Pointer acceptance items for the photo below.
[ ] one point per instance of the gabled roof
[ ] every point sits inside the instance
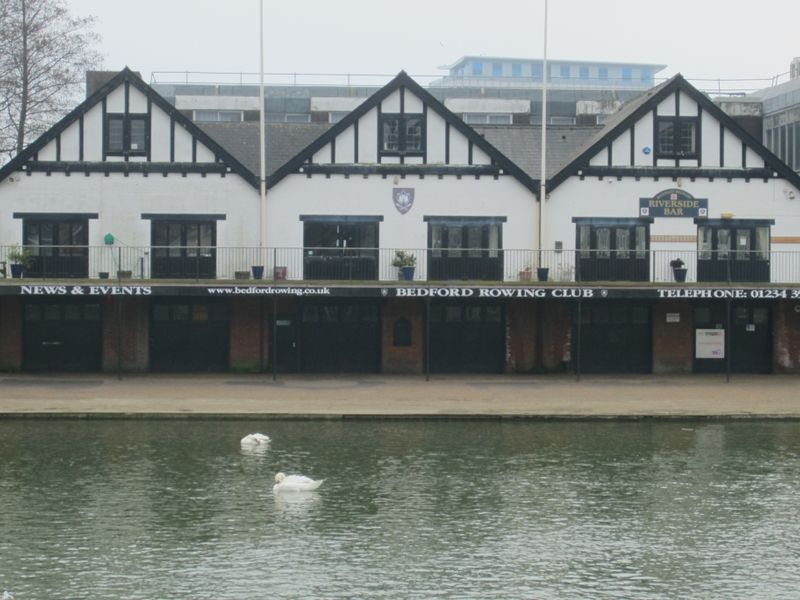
(640, 106)
(126, 75)
(402, 80)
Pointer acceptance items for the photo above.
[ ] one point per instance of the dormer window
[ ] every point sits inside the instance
(126, 135)
(677, 137)
(402, 135)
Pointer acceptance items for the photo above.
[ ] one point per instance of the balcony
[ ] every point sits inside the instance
(365, 265)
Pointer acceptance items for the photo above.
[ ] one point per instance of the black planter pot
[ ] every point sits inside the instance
(542, 273)
(17, 270)
(680, 274)
(258, 272)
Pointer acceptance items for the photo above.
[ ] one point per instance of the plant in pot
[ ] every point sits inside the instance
(405, 263)
(678, 269)
(21, 260)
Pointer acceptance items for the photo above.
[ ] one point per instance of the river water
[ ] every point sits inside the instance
(409, 509)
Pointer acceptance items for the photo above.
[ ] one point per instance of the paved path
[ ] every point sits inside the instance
(775, 396)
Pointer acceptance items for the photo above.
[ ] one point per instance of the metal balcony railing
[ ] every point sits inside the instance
(487, 265)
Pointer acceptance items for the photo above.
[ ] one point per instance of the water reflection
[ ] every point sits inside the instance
(176, 509)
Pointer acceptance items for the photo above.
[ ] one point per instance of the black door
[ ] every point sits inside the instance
(62, 336)
(750, 338)
(614, 337)
(283, 344)
(467, 338)
(189, 336)
(184, 249)
(340, 337)
(59, 247)
(469, 249)
(613, 252)
(733, 251)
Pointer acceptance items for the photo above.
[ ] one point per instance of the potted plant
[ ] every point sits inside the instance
(525, 274)
(405, 263)
(258, 271)
(21, 260)
(678, 269)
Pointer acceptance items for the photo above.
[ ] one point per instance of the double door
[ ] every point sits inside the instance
(750, 342)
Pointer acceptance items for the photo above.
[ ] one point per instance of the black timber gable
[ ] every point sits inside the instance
(636, 109)
(500, 163)
(28, 159)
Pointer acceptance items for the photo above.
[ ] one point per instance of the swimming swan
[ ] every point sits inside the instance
(294, 483)
(255, 439)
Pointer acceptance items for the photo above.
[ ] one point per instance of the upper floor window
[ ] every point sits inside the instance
(646, 76)
(126, 134)
(677, 137)
(516, 70)
(477, 67)
(497, 69)
(583, 72)
(627, 73)
(228, 116)
(536, 72)
(564, 72)
(602, 73)
(402, 134)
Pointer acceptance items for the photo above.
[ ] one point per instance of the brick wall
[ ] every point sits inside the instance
(521, 336)
(556, 335)
(10, 334)
(248, 347)
(672, 342)
(132, 315)
(786, 337)
(403, 359)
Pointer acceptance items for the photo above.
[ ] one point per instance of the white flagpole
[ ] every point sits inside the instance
(262, 134)
(543, 172)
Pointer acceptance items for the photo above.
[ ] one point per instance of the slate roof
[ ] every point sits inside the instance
(523, 144)
(520, 143)
(283, 141)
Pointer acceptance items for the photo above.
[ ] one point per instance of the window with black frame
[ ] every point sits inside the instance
(340, 247)
(733, 249)
(611, 249)
(677, 137)
(126, 135)
(465, 248)
(402, 134)
(183, 249)
(58, 246)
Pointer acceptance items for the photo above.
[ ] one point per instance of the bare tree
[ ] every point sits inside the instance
(44, 54)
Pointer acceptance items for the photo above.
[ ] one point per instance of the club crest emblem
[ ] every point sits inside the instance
(403, 199)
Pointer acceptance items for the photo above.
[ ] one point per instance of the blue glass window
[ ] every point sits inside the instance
(627, 73)
(646, 76)
(583, 72)
(563, 72)
(516, 70)
(536, 72)
(602, 73)
(477, 67)
(497, 69)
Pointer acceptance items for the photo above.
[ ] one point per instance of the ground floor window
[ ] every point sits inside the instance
(465, 248)
(612, 249)
(58, 246)
(184, 249)
(340, 247)
(733, 249)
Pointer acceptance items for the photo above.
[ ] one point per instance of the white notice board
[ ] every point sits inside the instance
(709, 343)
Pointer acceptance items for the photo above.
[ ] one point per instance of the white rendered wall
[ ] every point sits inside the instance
(120, 202)
(298, 195)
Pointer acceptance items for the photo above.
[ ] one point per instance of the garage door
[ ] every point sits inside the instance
(189, 336)
(615, 337)
(63, 336)
(340, 337)
(467, 338)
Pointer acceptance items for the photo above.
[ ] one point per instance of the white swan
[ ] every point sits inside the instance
(294, 483)
(255, 439)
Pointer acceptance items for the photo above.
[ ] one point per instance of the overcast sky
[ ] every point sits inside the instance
(699, 38)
